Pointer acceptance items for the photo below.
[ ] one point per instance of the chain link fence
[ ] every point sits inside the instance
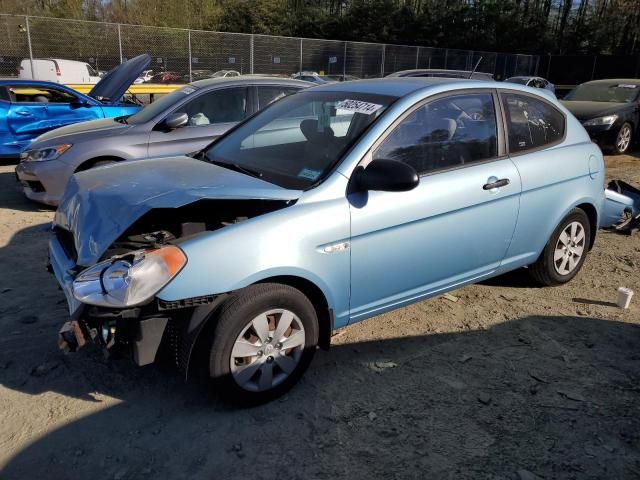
(180, 55)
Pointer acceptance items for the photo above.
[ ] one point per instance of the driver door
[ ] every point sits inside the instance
(65, 108)
(453, 227)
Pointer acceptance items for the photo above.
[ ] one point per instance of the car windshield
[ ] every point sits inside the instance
(618, 92)
(161, 105)
(296, 142)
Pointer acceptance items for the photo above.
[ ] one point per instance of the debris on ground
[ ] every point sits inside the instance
(380, 365)
(465, 358)
(372, 416)
(451, 298)
(484, 399)
(576, 397)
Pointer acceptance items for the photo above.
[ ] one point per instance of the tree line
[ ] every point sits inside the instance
(523, 26)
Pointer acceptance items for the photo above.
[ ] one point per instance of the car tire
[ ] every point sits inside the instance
(565, 252)
(248, 363)
(623, 139)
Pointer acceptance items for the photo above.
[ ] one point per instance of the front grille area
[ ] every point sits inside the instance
(36, 186)
(65, 237)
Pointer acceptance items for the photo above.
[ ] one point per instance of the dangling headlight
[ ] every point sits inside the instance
(128, 280)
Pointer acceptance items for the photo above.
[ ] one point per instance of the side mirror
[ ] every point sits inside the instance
(386, 176)
(176, 120)
(77, 103)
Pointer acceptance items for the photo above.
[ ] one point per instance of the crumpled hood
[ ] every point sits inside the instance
(587, 110)
(100, 204)
(103, 127)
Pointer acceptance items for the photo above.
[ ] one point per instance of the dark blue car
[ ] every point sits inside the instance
(29, 108)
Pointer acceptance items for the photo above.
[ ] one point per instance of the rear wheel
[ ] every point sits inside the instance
(264, 339)
(565, 252)
(623, 139)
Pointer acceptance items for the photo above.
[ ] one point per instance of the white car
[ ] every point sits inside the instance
(144, 77)
(58, 70)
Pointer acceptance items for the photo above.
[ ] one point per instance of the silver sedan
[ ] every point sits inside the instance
(184, 121)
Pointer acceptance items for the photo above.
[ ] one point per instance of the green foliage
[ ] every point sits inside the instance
(531, 26)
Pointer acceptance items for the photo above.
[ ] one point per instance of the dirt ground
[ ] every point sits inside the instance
(510, 381)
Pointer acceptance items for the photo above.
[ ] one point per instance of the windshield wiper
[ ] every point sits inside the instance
(230, 166)
(122, 119)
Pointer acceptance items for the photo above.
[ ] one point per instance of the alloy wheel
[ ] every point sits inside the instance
(569, 248)
(267, 350)
(623, 140)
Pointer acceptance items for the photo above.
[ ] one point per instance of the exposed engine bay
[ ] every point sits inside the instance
(163, 226)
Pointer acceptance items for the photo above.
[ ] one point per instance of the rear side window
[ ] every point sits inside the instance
(532, 123)
(269, 94)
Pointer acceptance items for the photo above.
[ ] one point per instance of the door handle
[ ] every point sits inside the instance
(503, 182)
(24, 113)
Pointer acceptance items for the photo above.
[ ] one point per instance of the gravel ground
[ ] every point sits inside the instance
(508, 381)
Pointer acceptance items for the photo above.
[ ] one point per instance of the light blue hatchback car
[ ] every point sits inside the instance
(330, 206)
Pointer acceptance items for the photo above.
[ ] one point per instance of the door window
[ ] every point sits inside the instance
(532, 123)
(445, 133)
(26, 94)
(218, 106)
(268, 95)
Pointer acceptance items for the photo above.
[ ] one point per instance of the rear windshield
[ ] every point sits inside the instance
(618, 92)
(161, 105)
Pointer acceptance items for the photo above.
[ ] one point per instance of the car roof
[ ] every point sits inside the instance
(440, 71)
(249, 80)
(399, 86)
(27, 82)
(631, 81)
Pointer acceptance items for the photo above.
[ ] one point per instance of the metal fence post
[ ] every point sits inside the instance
(417, 56)
(593, 70)
(446, 54)
(548, 66)
(384, 48)
(33, 73)
(190, 75)
(300, 69)
(120, 42)
(251, 55)
(344, 62)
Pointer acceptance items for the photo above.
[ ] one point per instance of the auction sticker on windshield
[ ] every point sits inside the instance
(309, 174)
(358, 106)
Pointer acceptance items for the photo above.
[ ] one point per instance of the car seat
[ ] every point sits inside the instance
(321, 144)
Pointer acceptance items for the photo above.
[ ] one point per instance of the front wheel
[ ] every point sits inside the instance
(623, 139)
(264, 339)
(565, 252)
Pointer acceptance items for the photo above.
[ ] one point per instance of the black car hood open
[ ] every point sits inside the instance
(586, 110)
(115, 82)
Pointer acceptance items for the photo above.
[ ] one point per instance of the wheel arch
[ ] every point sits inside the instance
(199, 324)
(592, 214)
(87, 164)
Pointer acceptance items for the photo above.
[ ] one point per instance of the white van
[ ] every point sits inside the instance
(58, 70)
